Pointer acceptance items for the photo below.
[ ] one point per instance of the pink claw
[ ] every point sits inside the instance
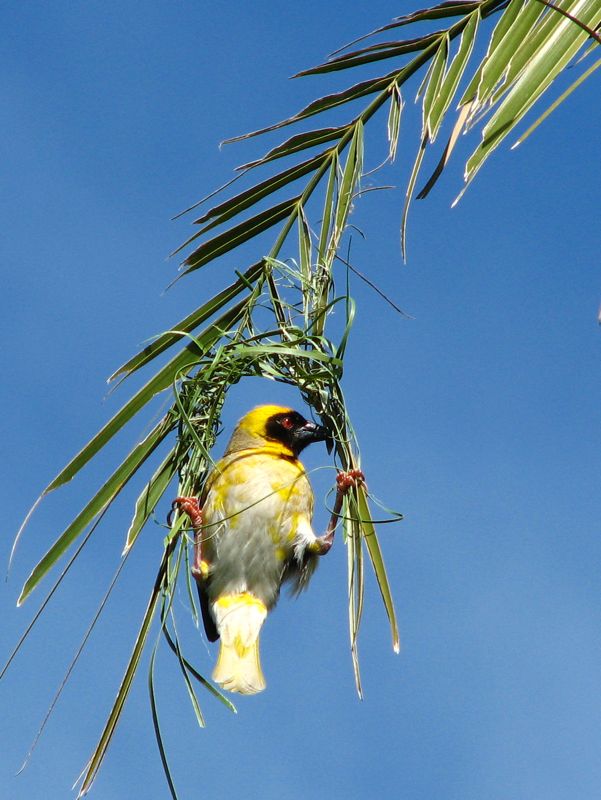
(350, 480)
(189, 506)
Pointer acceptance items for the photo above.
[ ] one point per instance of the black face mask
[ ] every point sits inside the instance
(293, 430)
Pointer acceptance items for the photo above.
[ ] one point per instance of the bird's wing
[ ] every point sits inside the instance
(207, 618)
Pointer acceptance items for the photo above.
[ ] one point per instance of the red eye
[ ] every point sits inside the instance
(287, 423)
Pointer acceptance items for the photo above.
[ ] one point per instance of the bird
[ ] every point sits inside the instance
(253, 532)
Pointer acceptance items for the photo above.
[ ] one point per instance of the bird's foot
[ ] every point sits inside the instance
(191, 507)
(200, 568)
(349, 480)
(345, 481)
(323, 544)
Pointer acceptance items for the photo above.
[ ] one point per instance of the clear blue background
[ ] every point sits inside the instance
(478, 419)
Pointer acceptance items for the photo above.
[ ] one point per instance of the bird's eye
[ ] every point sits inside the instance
(287, 423)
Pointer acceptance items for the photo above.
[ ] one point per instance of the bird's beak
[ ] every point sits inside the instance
(311, 432)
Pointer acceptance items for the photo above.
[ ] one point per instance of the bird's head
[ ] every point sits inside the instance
(277, 425)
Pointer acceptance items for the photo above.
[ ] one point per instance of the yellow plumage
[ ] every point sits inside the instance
(256, 534)
(239, 618)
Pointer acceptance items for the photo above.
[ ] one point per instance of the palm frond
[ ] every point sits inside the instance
(272, 320)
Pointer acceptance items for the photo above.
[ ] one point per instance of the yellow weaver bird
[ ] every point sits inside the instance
(253, 532)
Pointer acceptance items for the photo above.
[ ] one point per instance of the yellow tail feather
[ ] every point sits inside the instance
(239, 619)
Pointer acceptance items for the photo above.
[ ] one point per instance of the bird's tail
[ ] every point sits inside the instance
(239, 618)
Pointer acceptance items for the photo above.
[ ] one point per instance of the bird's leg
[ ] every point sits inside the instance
(190, 506)
(344, 482)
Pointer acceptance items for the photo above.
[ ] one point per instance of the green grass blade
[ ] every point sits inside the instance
(434, 83)
(351, 307)
(48, 597)
(162, 380)
(441, 11)
(360, 580)
(447, 9)
(368, 55)
(449, 84)
(130, 671)
(74, 661)
(190, 591)
(426, 79)
(304, 245)
(191, 322)
(173, 641)
(236, 236)
(446, 154)
(297, 143)
(559, 101)
(346, 192)
(393, 126)
(350, 178)
(591, 33)
(188, 683)
(529, 43)
(325, 103)
(563, 40)
(375, 555)
(328, 213)
(408, 194)
(355, 586)
(513, 27)
(305, 252)
(157, 727)
(150, 496)
(283, 350)
(97, 504)
(510, 39)
(200, 678)
(235, 205)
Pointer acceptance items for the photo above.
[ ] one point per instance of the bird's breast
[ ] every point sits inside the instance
(259, 494)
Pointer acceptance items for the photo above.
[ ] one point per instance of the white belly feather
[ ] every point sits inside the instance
(257, 525)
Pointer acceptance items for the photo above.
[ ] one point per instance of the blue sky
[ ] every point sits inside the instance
(478, 419)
